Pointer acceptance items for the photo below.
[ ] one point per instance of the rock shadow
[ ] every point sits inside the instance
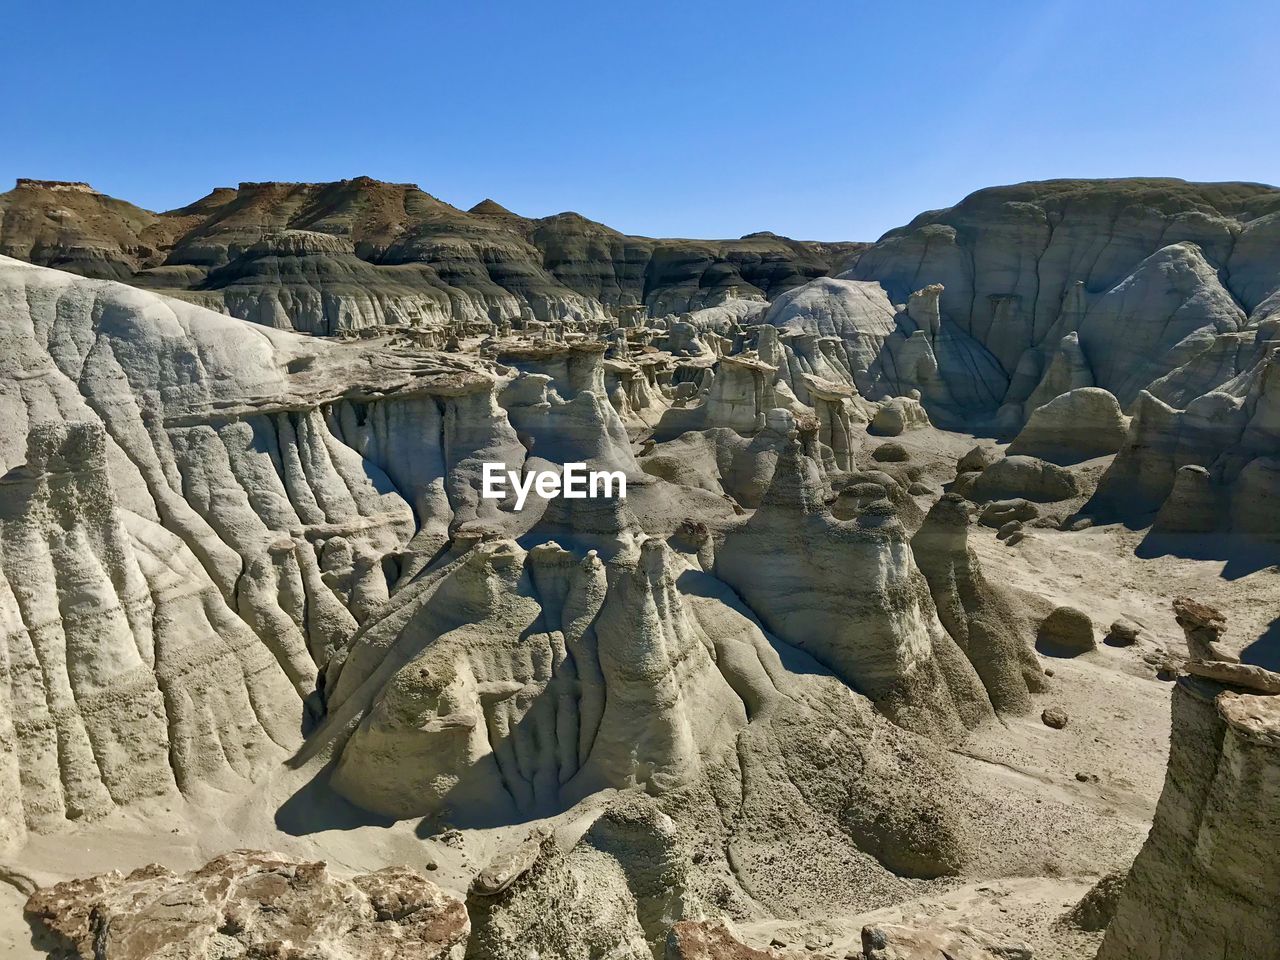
(1265, 651)
(318, 807)
(1242, 554)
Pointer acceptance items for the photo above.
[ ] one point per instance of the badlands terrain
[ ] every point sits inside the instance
(939, 620)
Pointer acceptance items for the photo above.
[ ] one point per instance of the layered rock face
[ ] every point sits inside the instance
(880, 633)
(233, 553)
(327, 258)
(186, 541)
(217, 533)
(1142, 270)
(1210, 466)
(994, 307)
(1207, 879)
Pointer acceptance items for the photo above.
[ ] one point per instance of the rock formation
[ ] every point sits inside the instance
(1210, 466)
(252, 904)
(1145, 272)
(782, 680)
(1073, 426)
(335, 257)
(1206, 879)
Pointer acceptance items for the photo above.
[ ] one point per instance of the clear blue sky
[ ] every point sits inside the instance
(827, 120)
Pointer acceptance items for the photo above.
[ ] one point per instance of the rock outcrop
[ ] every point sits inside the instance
(878, 630)
(252, 904)
(1209, 467)
(1145, 273)
(937, 941)
(1078, 425)
(1207, 879)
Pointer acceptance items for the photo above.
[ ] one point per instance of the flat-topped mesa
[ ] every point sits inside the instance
(362, 181)
(58, 186)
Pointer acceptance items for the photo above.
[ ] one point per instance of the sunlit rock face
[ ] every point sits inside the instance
(336, 258)
(247, 552)
(1206, 878)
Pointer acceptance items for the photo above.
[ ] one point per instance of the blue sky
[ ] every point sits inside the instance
(822, 120)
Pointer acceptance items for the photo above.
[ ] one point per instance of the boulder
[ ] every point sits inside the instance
(1054, 717)
(997, 513)
(897, 415)
(1025, 477)
(1008, 529)
(1125, 632)
(1078, 425)
(1066, 631)
(890, 452)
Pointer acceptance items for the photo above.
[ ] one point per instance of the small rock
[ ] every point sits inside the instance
(919, 489)
(506, 868)
(1054, 717)
(1124, 632)
(998, 513)
(1013, 526)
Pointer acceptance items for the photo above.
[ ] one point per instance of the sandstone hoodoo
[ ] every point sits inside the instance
(536, 590)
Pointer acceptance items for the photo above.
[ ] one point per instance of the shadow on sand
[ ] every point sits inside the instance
(1242, 555)
(1265, 651)
(317, 807)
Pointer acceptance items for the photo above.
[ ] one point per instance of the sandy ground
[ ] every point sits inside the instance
(1087, 791)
